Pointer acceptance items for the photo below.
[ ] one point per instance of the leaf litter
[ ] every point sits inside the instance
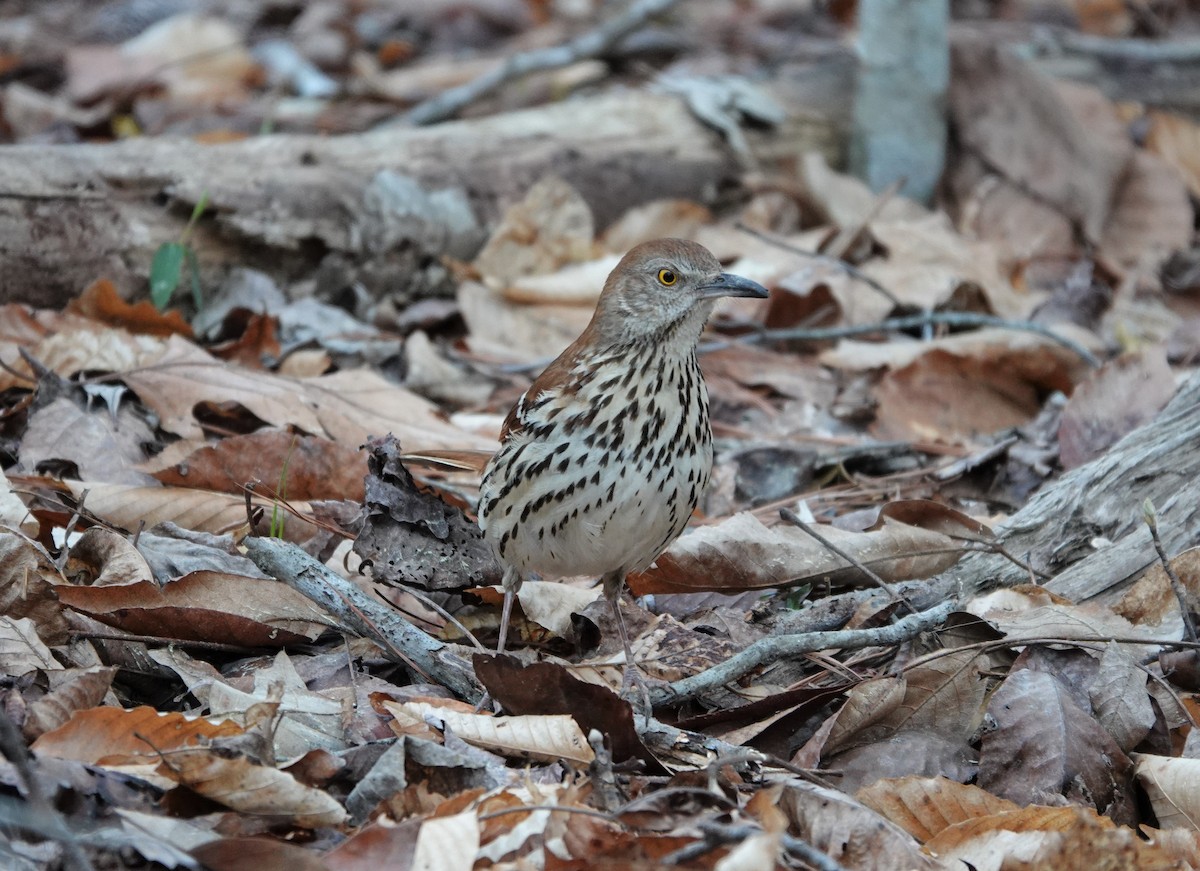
(200, 713)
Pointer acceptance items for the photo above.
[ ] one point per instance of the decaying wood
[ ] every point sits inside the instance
(1087, 529)
(283, 204)
(358, 613)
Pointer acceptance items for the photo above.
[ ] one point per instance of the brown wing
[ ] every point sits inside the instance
(555, 377)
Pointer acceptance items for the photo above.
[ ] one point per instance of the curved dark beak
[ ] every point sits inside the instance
(731, 285)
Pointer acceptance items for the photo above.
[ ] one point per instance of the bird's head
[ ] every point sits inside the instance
(662, 283)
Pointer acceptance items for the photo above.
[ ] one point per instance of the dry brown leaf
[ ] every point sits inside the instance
(551, 604)
(1034, 357)
(1151, 602)
(1119, 698)
(355, 404)
(196, 58)
(1062, 140)
(1113, 400)
(1151, 217)
(1177, 141)
(574, 284)
(943, 397)
(114, 736)
(71, 690)
(102, 557)
(303, 467)
(21, 650)
(249, 788)
(740, 553)
(128, 507)
(1020, 616)
(543, 737)
(679, 219)
(84, 345)
(847, 200)
(28, 579)
(518, 332)
(13, 512)
(1044, 745)
(184, 375)
(925, 806)
(101, 446)
(101, 303)
(927, 265)
(304, 720)
(1035, 834)
(849, 832)
(204, 606)
(551, 227)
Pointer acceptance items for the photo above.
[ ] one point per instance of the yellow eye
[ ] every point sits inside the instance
(667, 277)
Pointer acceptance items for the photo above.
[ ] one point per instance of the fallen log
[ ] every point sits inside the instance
(399, 196)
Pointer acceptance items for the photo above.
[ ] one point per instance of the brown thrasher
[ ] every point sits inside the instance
(604, 458)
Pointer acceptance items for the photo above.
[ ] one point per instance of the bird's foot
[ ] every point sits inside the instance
(636, 691)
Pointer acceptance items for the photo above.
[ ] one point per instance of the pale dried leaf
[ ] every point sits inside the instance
(551, 227)
(127, 506)
(102, 558)
(355, 404)
(576, 284)
(102, 446)
(518, 332)
(551, 604)
(13, 513)
(243, 786)
(1173, 786)
(740, 553)
(21, 650)
(547, 738)
(448, 843)
(1112, 401)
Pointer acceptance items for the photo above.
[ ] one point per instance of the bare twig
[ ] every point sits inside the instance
(793, 518)
(781, 647)
(1151, 517)
(1151, 51)
(357, 612)
(844, 265)
(587, 45)
(908, 322)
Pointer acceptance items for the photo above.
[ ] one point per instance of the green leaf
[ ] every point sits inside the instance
(165, 270)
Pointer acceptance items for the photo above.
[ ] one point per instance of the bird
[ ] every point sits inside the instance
(604, 458)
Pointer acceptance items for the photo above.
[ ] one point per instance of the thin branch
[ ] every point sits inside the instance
(1149, 51)
(908, 322)
(793, 518)
(1150, 515)
(844, 265)
(781, 647)
(587, 45)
